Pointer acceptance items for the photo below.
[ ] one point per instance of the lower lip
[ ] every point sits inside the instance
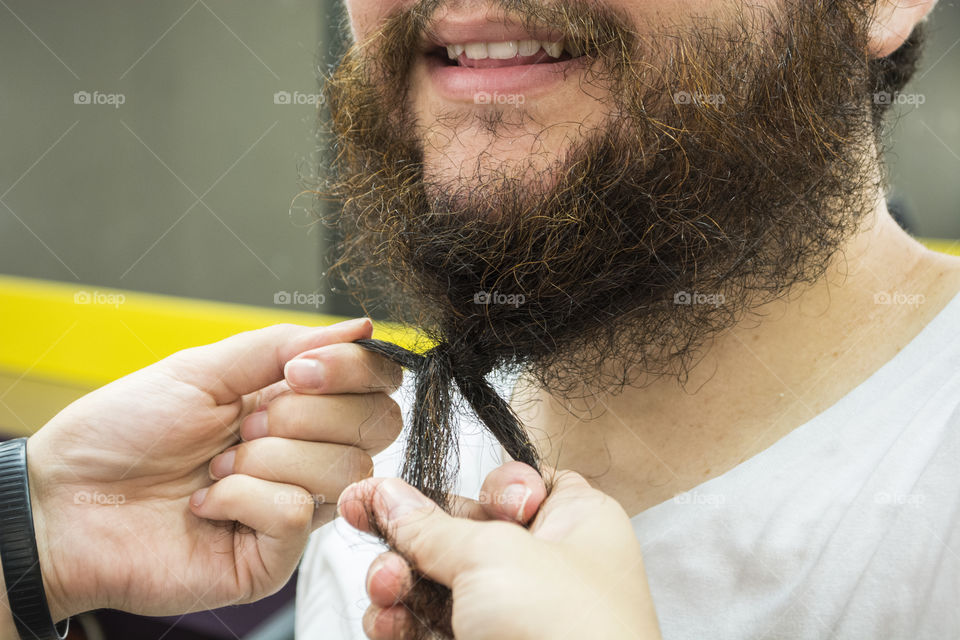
(498, 84)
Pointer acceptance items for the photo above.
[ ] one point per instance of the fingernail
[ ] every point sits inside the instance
(304, 372)
(355, 323)
(347, 494)
(375, 568)
(222, 465)
(198, 496)
(255, 426)
(399, 498)
(517, 494)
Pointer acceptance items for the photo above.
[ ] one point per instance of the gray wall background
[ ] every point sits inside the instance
(925, 158)
(187, 188)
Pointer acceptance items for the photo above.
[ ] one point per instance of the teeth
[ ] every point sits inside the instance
(502, 50)
(506, 50)
(553, 49)
(528, 47)
(476, 50)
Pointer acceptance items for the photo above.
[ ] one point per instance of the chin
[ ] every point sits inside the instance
(478, 155)
(469, 167)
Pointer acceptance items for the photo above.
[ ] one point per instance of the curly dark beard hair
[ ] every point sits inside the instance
(736, 161)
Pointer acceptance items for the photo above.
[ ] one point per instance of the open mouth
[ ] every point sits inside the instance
(511, 53)
(499, 64)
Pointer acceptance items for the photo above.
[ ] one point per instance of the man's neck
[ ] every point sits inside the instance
(775, 370)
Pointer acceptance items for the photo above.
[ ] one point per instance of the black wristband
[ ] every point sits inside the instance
(18, 549)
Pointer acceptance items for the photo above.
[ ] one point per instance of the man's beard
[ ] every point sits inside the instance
(735, 161)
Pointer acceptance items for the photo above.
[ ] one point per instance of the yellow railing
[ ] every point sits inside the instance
(85, 336)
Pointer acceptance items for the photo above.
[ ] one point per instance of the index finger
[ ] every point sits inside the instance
(342, 368)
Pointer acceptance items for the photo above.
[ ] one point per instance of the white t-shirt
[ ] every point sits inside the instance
(847, 527)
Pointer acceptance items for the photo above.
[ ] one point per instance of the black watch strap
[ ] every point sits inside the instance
(18, 549)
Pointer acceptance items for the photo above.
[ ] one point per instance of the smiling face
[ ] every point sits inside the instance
(508, 88)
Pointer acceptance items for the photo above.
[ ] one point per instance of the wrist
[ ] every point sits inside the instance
(48, 542)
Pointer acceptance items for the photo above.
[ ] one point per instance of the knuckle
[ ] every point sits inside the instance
(385, 414)
(241, 460)
(280, 407)
(391, 374)
(254, 458)
(230, 490)
(298, 513)
(357, 464)
(285, 412)
(381, 374)
(394, 416)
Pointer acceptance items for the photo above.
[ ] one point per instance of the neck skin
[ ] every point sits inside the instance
(756, 382)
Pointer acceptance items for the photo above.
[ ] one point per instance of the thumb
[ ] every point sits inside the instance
(249, 361)
(429, 538)
(577, 513)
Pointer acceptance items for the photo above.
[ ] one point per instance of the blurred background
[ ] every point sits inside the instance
(157, 147)
(183, 180)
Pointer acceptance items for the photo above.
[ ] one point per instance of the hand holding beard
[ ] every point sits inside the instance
(577, 572)
(126, 513)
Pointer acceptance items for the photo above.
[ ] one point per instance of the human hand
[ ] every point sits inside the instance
(120, 480)
(576, 573)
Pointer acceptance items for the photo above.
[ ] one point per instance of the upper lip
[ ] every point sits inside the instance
(463, 29)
